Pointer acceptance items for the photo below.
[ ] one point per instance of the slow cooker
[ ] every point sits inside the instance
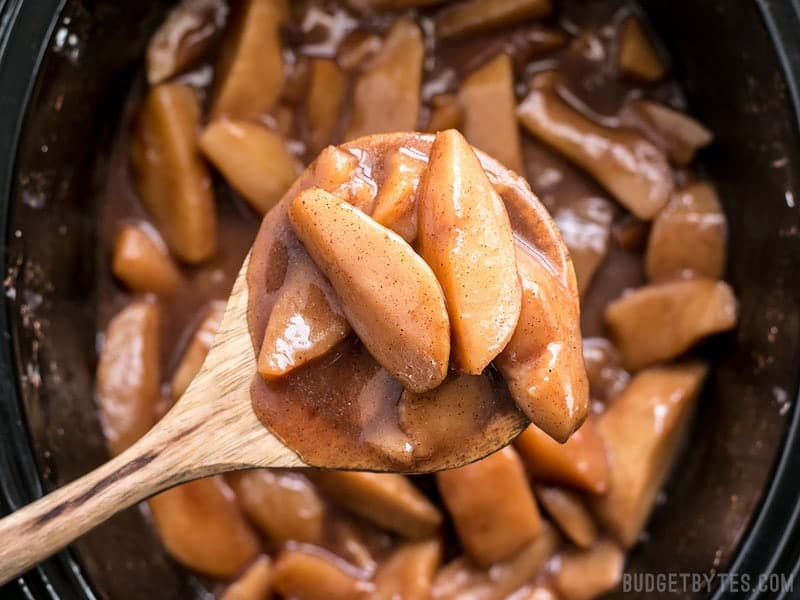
(66, 67)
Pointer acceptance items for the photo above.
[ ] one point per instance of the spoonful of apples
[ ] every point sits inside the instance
(408, 306)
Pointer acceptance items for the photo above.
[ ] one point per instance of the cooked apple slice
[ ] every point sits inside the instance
(388, 500)
(253, 159)
(569, 512)
(660, 321)
(689, 236)
(446, 113)
(355, 543)
(493, 521)
(579, 462)
(637, 55)
(585, 225)
(128, 374)
(465, 236)
(607, 378)
(172, 179)
(203, 529)
(282, 504)
(587, 574)
(620, 159)
(186, 34)
(446, 416)
(386, 95)
(310, 573)
(390, 296)
(305, 323)
(494, 131)
(643, 430)
(396, 202)
(333, 168)
(543, 362)
(324, 102)
(408, 572)
(197, 350)
(462, 579)
(141, 261)
(679, 133)
(338, 171)
(254, 584)
(474, 16)
(249, 72)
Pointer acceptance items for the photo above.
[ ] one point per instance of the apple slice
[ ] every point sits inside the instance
(569, 512)
(462, 578)
(255, 582)
(661, 321)
(476, 16)
(585, 574)
(196, 351)
(689, 236)
(386, 95)
(494, 131)
(202, 527)
(141, 261)
(283, 505)
(326, 94)
(249, 73)
(396, 202)
(465, 236)
(389, 295)
(311, 573)
(581, 462)
(305, 323)
(387, 500)
(184, 37)
(543, 363)
(408, 573)
(678, 133)
(621, 159)
(493, 521)
(447, 416)
(638, 57)
(339, 172)
(253, 159)
(171, 178)
(644, 430)
(128, 374)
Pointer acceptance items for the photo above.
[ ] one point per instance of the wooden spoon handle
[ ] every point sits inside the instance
(210, 430)
(36, 531)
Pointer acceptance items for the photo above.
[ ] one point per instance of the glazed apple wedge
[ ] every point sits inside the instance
(305, 323)
(465, 236)
(389, 295)
(543, 362)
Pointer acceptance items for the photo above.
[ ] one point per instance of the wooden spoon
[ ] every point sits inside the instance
(211, 429)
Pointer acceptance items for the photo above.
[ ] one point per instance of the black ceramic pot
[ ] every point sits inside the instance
(65, 69)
